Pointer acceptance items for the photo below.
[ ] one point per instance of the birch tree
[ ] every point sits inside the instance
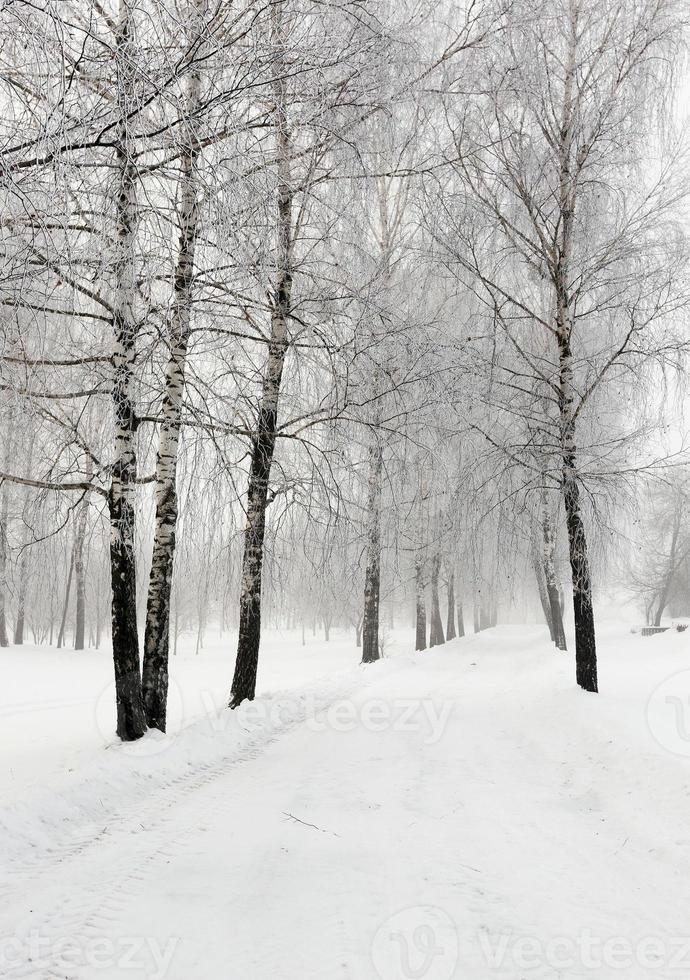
(575, 260)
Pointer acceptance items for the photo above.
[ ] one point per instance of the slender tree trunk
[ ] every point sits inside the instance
(79, 574)
(450, 620)
(246, 664)
(420, 603)
(24, 567)
(461, 621)
(668, 579)
(585, 639)
(131, 720)
(541, 590)
(157, 630)
(98, 623)
(65, 607)
(550, 580)
(372, 576)
(4, 548)
(372, 579)
(264, 440)
(19, 624)
(485, 611)
(4, 541)
(436, 636)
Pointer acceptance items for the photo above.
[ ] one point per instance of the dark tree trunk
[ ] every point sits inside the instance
(372, 576)
(585, 639)
(80, 576)
(551, 582)
(264, 440)
(461, 621)
(65, 607)
(420, 604)
(249, 638)
(436, 636)
(19, 625)
(98, 623)
(450, 622)
(4, 640)
(673, 568)
(4, 543)
(157, 632)
(157, 629)
(131, 721)
(21, 599)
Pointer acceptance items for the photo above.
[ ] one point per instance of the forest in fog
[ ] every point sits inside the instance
(339, 315)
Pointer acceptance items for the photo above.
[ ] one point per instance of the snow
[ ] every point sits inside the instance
(460, 813)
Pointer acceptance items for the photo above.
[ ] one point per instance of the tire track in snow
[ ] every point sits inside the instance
(106, 866)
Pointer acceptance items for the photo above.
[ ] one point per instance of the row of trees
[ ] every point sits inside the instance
(372, 288)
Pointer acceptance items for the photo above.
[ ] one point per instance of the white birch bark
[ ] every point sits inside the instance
(131, 722)
(157, 635)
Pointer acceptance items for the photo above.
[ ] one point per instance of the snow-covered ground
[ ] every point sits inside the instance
(462, 813)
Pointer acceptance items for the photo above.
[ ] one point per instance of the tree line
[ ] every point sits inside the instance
(341, 305)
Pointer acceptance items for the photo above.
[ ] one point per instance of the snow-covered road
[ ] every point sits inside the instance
(461, 813)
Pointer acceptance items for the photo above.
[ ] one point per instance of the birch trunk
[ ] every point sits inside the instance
(436, 636)
(550, 579)
(541, 589)
(80, 574)
(4, 540)
(4, 506)
(450, 619)
(20, 622)
(157, 631)
(263, 443)
(65, 605)
(585, 640)
(131, 721)
(461, 620)
(662, 601)
(420, 603)
(372, 576)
